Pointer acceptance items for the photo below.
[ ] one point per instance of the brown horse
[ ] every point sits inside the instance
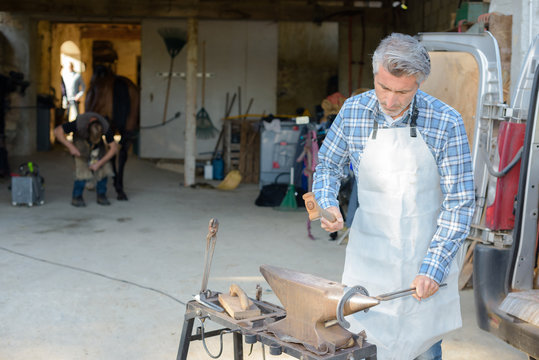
(117, 99)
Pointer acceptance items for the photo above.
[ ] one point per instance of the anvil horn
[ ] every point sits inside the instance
(310, 302)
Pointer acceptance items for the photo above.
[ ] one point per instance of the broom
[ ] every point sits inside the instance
(175, 40)
(289, 201)
(205, 128)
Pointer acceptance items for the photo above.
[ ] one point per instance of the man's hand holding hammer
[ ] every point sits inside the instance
(337, 223)
(330, 219)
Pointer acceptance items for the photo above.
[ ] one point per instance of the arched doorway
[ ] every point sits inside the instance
(74, 87)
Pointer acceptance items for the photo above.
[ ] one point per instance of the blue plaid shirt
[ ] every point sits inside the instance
(443, 131)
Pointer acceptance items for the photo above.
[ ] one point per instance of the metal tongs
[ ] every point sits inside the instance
(361, 290)
(398, 294)
(204, 294)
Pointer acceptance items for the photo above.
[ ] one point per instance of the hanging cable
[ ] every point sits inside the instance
(226, 331)
(509, 166)
(93, 273)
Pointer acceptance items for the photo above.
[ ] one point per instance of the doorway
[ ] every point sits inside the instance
(73, 86)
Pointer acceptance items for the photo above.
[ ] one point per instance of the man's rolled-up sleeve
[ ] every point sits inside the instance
(332, 164)
(457, 185)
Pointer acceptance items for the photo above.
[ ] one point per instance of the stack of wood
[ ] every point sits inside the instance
(250, 152)
(242, 148)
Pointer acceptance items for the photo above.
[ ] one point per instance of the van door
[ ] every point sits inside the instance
(466, 74)
(504, 141)
(524, 110)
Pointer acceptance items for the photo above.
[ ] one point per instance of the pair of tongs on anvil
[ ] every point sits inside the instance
(376, 300)
(205, 294)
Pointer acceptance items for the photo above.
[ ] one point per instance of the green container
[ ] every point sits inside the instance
(470, 10)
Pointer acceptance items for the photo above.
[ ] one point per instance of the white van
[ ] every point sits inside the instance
(504, 140)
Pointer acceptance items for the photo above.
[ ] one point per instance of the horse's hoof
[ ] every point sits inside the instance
(122, 196)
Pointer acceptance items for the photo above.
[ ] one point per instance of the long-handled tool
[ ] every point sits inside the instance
(228, 109)
(205, 128)
(211, 238)
(361, 290)
(174, 39)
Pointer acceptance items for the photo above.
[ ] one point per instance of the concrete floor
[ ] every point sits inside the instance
(112, 282)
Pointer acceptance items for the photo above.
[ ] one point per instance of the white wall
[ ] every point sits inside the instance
(238, 53)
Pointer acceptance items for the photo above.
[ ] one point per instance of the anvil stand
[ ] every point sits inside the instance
(254, 329)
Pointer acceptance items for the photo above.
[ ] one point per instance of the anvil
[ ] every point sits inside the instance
(310, 303)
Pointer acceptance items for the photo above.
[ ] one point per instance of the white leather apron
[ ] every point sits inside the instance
(399, 202)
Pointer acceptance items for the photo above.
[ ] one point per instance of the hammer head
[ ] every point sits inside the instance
(312, 206)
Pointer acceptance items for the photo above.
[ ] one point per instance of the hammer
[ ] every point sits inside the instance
(314, 210)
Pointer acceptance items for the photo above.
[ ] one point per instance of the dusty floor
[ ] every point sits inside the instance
(112, 282)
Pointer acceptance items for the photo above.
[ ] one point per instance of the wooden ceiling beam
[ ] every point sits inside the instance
(106, 32)
(134, 10)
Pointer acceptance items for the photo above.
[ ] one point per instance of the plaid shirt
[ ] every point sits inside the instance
(443, 131)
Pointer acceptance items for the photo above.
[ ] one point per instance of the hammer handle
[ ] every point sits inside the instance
(327, 215)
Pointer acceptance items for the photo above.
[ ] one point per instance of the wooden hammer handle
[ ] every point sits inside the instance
(314, 210)
(235, 290)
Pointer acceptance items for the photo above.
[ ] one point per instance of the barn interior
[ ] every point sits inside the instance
(281, 57)
(246, 63)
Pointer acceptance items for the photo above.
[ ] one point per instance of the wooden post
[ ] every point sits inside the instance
(191, 100)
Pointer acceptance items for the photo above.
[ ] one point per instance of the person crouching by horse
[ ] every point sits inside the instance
(91, 153)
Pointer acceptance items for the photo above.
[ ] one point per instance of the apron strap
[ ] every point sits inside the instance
(413, 121)
(374, 129)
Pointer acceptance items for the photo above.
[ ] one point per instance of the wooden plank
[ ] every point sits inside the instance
(453, 70)
(501, 28)
(523, 305)
(244, 130)
(227, 145)
(466, 271)
(233, 307)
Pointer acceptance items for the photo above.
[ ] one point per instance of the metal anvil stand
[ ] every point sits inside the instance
(253, 329)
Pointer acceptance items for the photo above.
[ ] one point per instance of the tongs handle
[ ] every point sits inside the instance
(398, 294)
(208, 254)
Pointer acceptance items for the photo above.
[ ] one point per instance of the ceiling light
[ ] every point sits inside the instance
(402, 4)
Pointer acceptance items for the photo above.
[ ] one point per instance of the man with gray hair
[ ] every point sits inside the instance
(413, 168)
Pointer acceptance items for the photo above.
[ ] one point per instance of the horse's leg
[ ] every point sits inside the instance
(119, 179)
(125, 144)
(113, 161)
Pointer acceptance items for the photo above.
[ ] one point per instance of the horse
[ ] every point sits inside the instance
(117, 99)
